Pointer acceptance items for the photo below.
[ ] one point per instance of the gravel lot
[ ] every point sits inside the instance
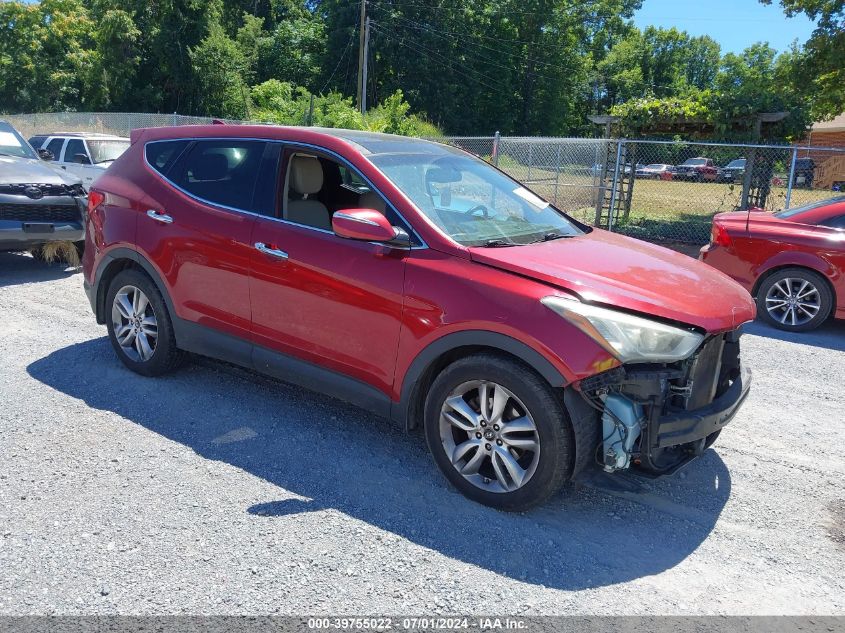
(216, 491)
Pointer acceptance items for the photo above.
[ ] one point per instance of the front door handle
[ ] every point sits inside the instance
(269, 250)
(159, 216)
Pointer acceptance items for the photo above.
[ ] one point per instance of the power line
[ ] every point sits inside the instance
(446, 36)
(340, 59)
(418, 48)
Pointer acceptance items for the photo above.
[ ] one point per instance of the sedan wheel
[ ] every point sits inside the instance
(490, 436)
(794, 299)
(135, 324)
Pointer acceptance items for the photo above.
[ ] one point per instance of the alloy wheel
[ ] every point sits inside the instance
(135, 324)
(793, 301)
(489, 436)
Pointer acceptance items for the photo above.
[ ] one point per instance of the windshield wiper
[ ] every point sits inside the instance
(548, 237)
(499, 244)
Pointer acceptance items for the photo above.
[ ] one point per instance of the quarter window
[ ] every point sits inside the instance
(162, 154)
(222, 172)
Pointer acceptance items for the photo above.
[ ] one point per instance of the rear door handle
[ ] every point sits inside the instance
(159, 216)
(269, 250)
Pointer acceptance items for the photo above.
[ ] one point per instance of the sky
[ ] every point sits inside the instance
(735, 24)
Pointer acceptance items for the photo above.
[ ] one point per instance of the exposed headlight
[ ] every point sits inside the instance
(629, 338)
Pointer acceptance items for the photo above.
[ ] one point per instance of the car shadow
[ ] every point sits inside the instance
(323, 454)
(830, 335)
(21, 268)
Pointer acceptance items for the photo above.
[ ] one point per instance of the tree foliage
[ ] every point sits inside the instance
(469, 67)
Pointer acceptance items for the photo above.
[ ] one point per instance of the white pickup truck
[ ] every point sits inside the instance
(83, 155)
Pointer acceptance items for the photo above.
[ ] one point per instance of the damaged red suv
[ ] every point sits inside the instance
(421, 283)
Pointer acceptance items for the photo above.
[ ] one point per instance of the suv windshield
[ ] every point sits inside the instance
(472, 202)
(695, 161)
(13, 144)
(104, 151)
(736, 164)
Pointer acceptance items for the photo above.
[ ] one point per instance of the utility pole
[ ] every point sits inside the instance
(362, 39)
(364, 69)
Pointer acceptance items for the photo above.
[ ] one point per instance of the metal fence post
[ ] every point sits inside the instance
(791, 177)
(174, 120)
(530, 160)
(557, 174)
(495, 157)
(615, 186)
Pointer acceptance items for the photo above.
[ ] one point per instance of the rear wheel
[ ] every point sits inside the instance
(498, 432)
(139, 325)
(794, 299)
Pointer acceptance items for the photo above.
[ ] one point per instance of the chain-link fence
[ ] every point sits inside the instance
(662, 191)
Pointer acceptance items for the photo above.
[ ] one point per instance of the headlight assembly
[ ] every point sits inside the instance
(629, 338)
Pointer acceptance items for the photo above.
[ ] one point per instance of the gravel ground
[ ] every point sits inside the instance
(216, 491)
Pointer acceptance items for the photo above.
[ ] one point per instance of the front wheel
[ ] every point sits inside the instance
(794, 299)
(498, 432)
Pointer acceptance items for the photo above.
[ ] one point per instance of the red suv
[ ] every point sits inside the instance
(419, 282)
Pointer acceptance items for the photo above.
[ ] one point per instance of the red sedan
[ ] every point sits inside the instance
(792, 261)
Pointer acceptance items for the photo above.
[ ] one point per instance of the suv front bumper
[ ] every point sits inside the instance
(683, 427)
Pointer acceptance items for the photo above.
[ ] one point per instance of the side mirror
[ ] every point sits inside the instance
(81, 159)
(45, 154)
(364, 224)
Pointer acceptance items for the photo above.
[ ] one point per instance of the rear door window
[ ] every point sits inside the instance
(221, 172)
(74, 146)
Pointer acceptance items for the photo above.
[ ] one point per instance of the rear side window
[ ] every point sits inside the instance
(55, 146)
(221, 172)
(162, 154)
(837, 222)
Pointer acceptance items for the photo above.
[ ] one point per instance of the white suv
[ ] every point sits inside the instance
(84, 155)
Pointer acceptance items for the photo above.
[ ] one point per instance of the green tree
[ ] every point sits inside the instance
(218, 67)
(818, 71)
(46, 56)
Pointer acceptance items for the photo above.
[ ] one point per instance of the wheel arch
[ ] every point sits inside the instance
(115, 261)
(447, 349)
(818, 270)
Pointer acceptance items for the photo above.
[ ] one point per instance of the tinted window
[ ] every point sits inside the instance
(837, 222)
(788, 213)
(74, 146)
(37, 141)
(222, 171)
(55, 146)
(162, 154)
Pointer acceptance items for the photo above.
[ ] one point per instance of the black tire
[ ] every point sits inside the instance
(80, 248)
(553, 427)
(166, 356)
(711, 439)
(37, 253)
(825, 300)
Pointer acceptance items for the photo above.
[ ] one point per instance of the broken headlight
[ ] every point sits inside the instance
(629, 338)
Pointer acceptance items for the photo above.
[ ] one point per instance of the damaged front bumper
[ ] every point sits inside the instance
(655, 418)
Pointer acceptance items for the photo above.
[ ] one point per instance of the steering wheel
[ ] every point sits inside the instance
(485, 213)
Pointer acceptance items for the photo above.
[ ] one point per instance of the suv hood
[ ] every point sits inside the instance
(15, 171)
(622, 272)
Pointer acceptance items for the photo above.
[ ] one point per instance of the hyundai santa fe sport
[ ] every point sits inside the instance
(421, 283)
